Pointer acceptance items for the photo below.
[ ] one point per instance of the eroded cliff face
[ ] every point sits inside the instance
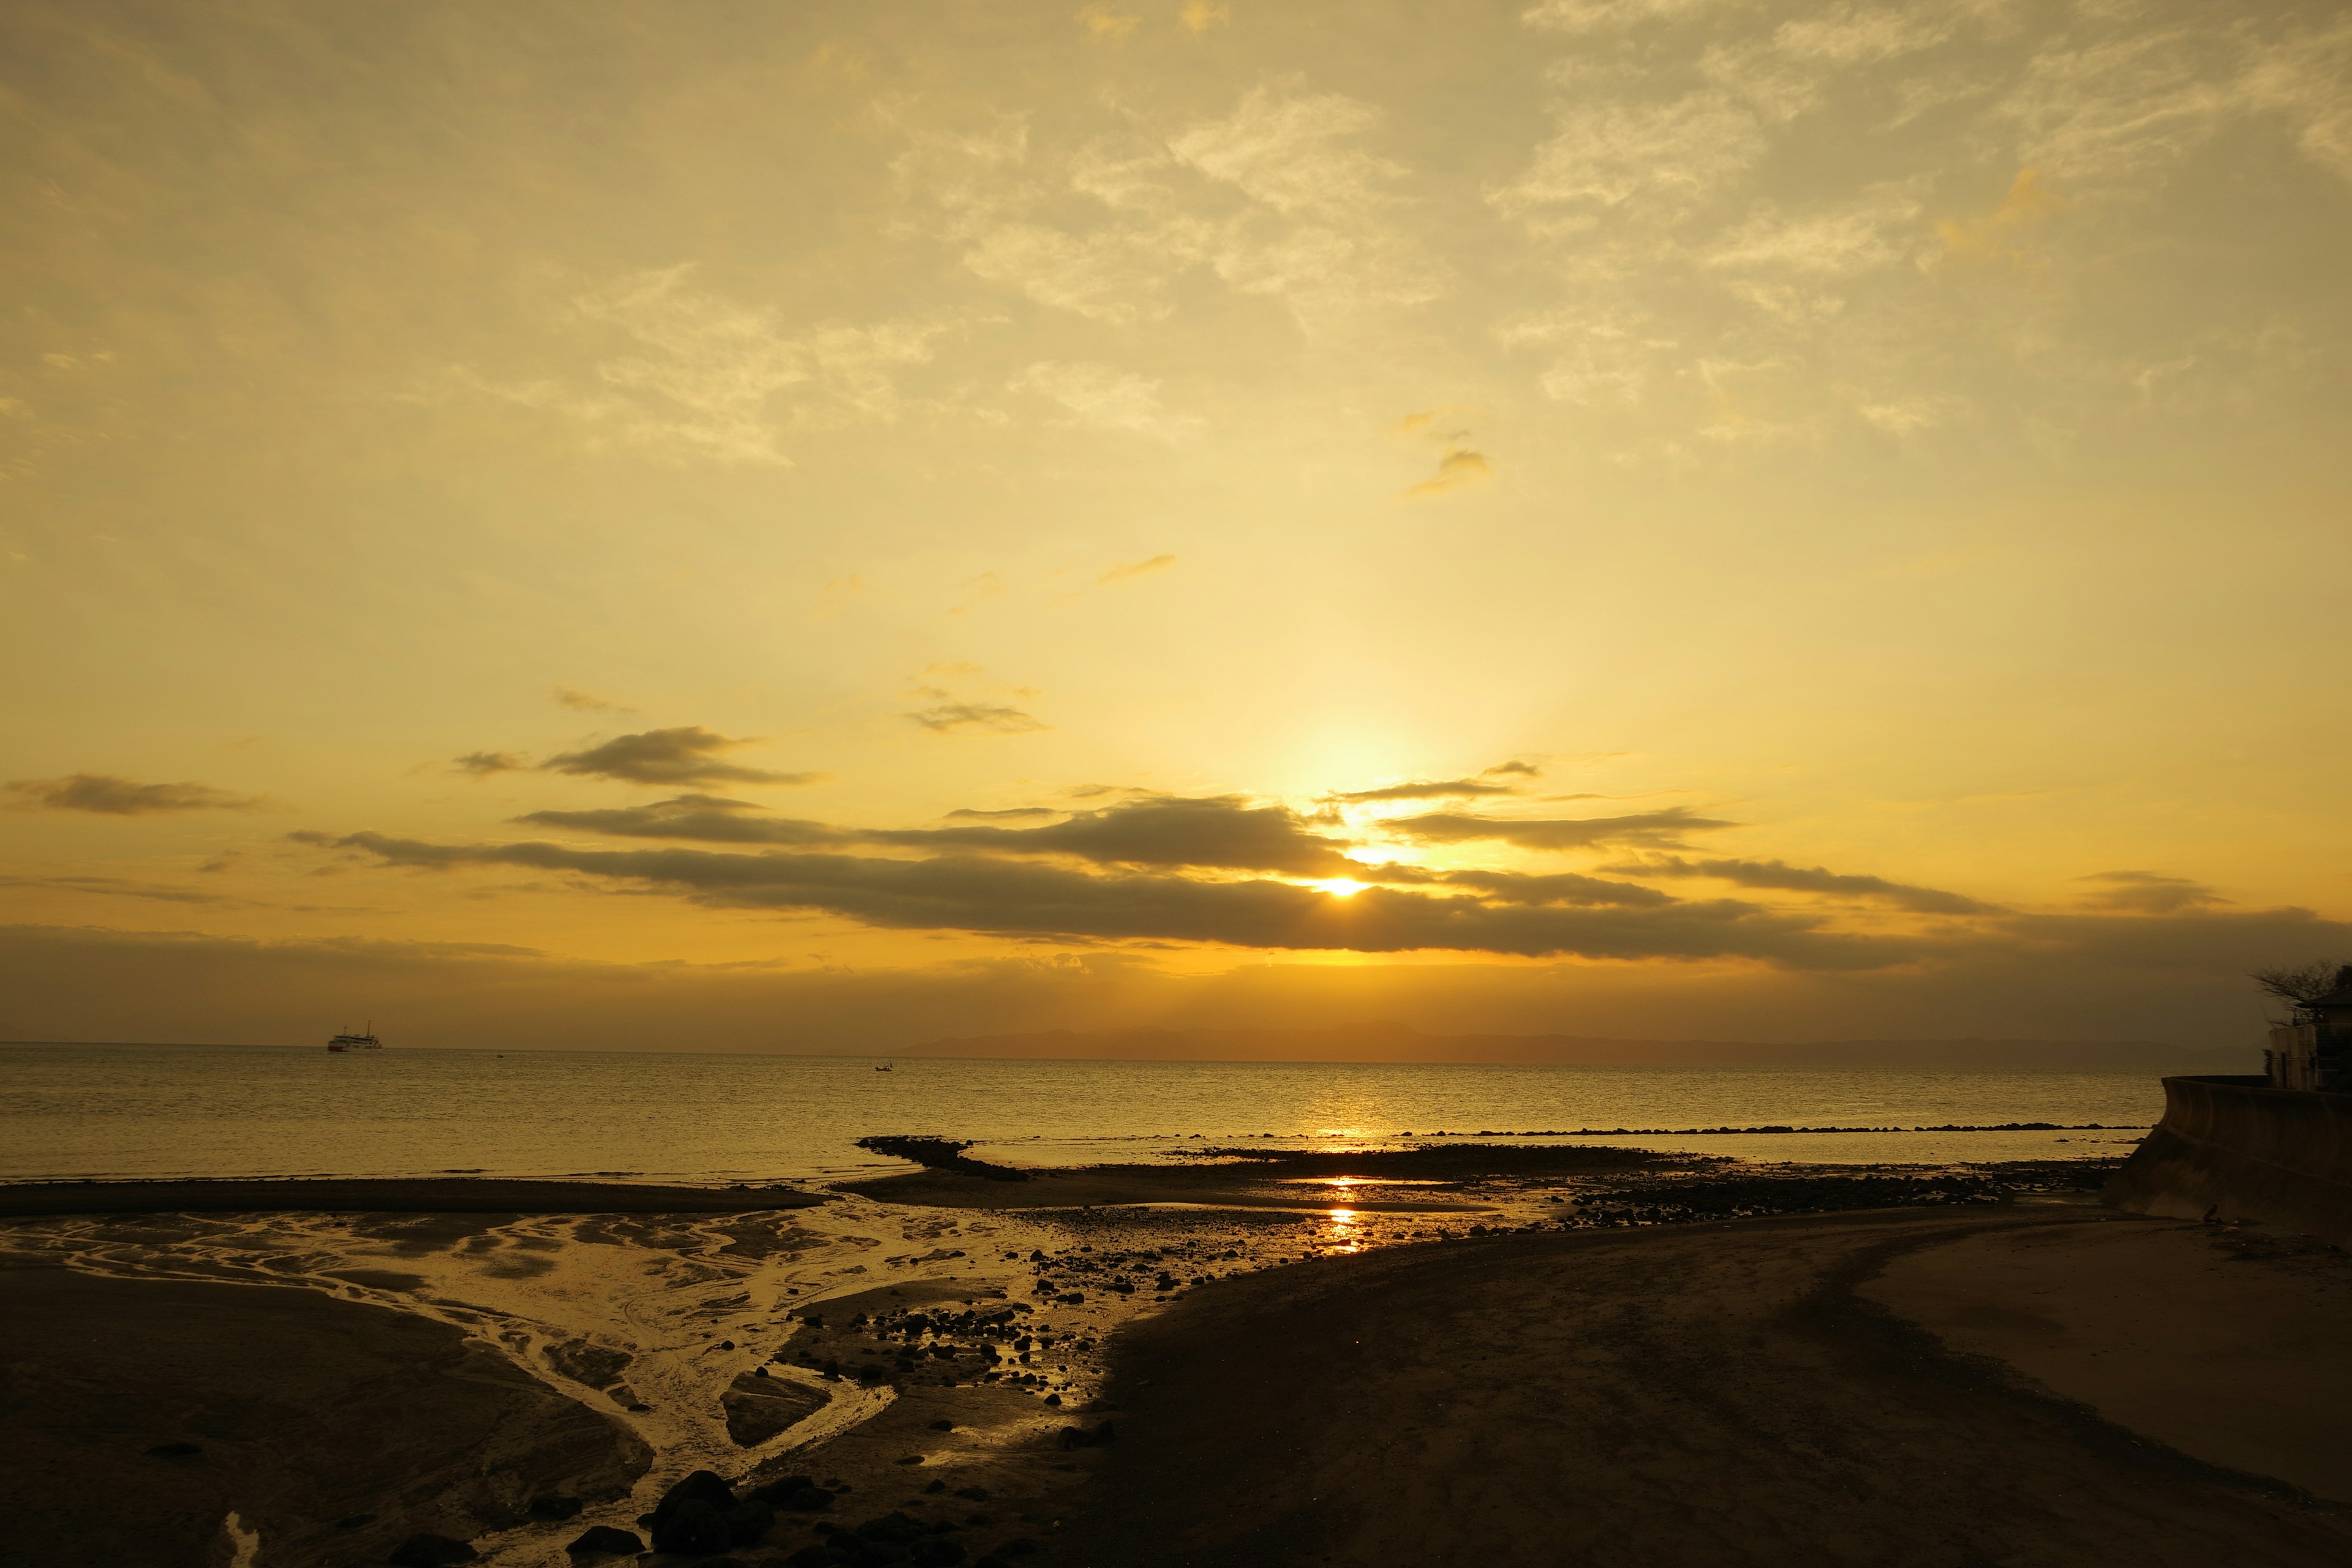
(2235, 1149)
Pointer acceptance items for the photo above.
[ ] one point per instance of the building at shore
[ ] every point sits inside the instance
(2313, 1050)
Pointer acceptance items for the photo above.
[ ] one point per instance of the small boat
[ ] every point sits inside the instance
(364, 1041)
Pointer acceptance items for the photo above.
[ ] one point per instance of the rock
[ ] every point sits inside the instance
(896, 1528)
(702, 1486)
(174, 1451)
(354, 1521)
(807, 1499)
(604, 1541)
(598, 1366)
(1053, 1399)
(425, 1550)
(555, 1509)
(1079, 1438)
(748, 1522)
(937, 1552)
(942, 1425)
(935, 1489)
(810, 1557)
(695, 1528)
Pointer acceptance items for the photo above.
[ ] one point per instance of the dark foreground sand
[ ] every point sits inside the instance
(2025, 1384)
(337, 1430)
(1680, 1397)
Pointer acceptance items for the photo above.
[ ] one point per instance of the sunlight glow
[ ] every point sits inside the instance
(1341, 887)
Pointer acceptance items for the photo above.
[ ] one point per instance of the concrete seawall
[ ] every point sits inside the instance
(2238, 1149)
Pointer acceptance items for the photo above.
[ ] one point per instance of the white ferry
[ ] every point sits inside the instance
(359, 1042)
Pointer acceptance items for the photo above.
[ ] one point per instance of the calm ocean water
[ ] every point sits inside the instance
(226, 1111)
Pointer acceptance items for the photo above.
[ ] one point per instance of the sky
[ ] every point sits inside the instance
(826, 526)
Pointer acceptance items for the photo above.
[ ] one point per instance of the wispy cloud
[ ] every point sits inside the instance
(589, 701)
(109, 795)
(1666, 827)
(1137, 569)
(1430, 789)
(488, 765)
(977, 718)
(1459, 466)
(718, 377)
(1106, 24)
(1277, 197)
(1101, 397)
(1779, 874)
(2150, 893)
(686, 754)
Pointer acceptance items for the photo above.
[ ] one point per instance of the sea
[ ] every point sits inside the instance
(106, 1111)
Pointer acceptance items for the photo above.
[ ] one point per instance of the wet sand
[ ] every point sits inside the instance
(1711, 1393)
(1490, 1356)
(332, 1431)
(441, 1194)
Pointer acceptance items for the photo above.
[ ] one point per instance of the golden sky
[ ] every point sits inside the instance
(848, 522)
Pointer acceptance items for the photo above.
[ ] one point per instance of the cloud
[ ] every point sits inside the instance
(111, 797)
(1459, 466)
(1657, 827)
(1213, 832)
(588, 701)
(985, 717)
(1008, 812)
(1515, 766)
(1557, 888)
(483, 764)
(1849, 238)
(716, 377)
(1814, 880)
(2000, 235)
(1222, 832)
(1274, 198)
(707, 819)
(2150, 893)
(1604, 154)
(1141, 568)
(1099, 397)
(118, 888)
(992, 896)
(1603, 16)
(1432, 789)
(1106, 24)
(1285, 147)
(1199, 16)
(677, 757)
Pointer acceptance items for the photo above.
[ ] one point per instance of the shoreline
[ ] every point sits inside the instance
(430, 1195)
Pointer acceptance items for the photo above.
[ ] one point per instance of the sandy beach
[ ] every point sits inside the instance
(1508, 1355)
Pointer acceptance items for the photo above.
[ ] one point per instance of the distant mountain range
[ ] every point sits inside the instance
(1402, 1043)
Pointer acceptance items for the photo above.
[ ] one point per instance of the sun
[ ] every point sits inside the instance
(1341, 887)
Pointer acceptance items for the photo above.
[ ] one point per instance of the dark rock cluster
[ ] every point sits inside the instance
(1741, 1197)
(997, 1345)
(941, 1154)
(707, 1519)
